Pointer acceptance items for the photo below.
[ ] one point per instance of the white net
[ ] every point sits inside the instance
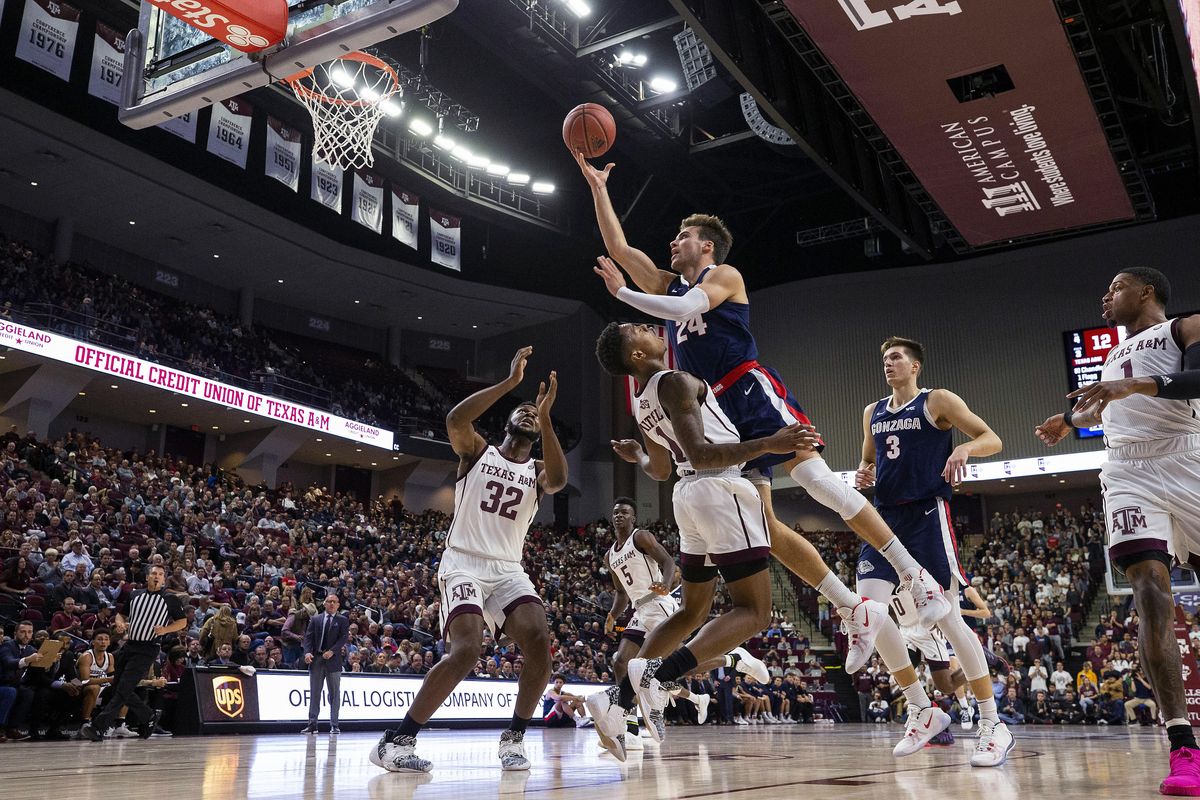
(346, 98)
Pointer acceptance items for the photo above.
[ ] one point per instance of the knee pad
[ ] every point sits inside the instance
(815, 476)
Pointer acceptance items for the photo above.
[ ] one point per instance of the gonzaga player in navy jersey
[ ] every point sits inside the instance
(910, 458)
(1148, 399)
(706, 307)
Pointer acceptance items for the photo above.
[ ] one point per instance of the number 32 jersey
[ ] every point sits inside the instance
(494, 504)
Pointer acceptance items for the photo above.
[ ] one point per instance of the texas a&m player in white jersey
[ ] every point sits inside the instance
(643, 575)
(722, 524)
(1147, 400)
(480, 577)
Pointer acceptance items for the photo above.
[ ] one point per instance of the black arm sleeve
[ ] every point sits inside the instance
(1182, 385)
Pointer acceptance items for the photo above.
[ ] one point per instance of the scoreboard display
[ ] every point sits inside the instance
(1085, 351)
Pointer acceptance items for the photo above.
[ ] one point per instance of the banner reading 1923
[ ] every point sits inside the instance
(47, 37)
(445, 234)
(108, 64)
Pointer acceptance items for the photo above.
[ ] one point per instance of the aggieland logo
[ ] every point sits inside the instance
(229, 696)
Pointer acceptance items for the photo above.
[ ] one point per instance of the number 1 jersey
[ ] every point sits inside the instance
(494, 503)
(655, 424)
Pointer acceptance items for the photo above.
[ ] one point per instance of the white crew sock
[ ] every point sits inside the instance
(838, 593)
(898, 556)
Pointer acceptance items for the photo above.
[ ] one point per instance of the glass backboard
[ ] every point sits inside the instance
(174, 68)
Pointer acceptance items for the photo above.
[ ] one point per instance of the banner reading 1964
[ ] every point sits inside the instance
(283, 154)
(47, 36)
(367, 200)
(405, 206)
(229, 131)
(108, 64)
(445, 234)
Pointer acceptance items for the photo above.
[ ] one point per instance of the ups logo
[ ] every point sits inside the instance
(229, 696)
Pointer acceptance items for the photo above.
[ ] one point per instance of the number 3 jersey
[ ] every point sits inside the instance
(910, 452)
(655, 424)
(1138, 418)
(494, 503)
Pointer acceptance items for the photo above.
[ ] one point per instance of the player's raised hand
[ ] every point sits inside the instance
(609, 623)
(956, 466)
(628, 449)
(596, 178)
(607, 269)
(1053, 430)
(864, 477)
(1095, 396)
(516, 370)
(793, 438)
(546, 397)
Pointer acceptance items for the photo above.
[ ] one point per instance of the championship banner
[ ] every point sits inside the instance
(631, 387)
(405, 206)
(283, 154)
(445, 235)
(108, 64)
(183, 126)
(229, 130)
(367, 199)
(120, 365)
(47, 37)
(327, 185)
(1191, 671)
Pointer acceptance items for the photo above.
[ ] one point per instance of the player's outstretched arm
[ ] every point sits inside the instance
(460, 422)
(552, 476)
(864, 476)
(681, 395)
(950, 411)
(646, 543)
(655, 461)
(981, 610)
(1183, 385)
(1056, 428)
(640, 267)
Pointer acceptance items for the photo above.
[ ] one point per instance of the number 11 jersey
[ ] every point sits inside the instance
(655, 424)
(494, 504)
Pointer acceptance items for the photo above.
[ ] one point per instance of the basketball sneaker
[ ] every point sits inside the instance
(943, 739)
(398, 754)
(605, 708)
(929, 598)
(651, 696)
(749, 665)
(966, 717)
(512, 751)
(997, 663)
(382, 750)
(633, 742)
(1185, 773)
(123, 731)
(922, 726)
(701, 701)
(995, 743)
(862, 625)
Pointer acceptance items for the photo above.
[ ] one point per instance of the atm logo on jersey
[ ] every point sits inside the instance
(229, 696)
(246, 25)
(1127, 521)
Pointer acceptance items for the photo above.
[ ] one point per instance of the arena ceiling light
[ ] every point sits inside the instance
(461, 152)
(578, 7)
(499, 170)
(663, 84)
(542, 187)
(341, 77)
(420, 127)
(443, 142)
(628, 58)
(518, 178)
(368, 94)
(391, 108)
(477, 161)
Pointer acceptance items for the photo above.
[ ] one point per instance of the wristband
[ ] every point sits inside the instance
(1067, 417)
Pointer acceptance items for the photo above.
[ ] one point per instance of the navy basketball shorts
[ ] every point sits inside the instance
(925, 530)
(758, 404)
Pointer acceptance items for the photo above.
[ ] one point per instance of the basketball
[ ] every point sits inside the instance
(589, 129)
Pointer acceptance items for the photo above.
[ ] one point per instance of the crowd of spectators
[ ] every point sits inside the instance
(82, 524)
(82, 303)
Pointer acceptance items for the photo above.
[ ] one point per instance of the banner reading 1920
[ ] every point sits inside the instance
(47, 36)
(445, 234)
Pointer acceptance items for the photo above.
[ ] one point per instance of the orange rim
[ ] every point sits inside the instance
(306, 93)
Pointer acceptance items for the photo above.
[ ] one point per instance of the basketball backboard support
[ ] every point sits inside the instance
(172, 68)
(1183, 579)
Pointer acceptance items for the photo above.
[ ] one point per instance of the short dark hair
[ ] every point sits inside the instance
(915, 350)
(626, 501)
(712, 229)
(1149, 276)
(558, 676)
(97, 631)
(610, 350)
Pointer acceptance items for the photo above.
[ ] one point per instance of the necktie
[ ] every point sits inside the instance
(324, 630)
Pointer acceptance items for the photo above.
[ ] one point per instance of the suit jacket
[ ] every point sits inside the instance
(10, 654)
(335, 639)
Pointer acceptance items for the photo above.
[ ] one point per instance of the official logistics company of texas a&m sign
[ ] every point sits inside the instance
(229, 696)
(985, 103)
(110, 362)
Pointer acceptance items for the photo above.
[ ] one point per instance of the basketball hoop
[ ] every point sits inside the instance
(346, 98)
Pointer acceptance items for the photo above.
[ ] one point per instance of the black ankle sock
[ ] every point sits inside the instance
(518, 724)
(1181, 736)
(733, 659)
(627, 694)
(408, 727)
(681, 662)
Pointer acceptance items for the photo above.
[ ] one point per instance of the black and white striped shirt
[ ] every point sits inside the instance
(149, 610)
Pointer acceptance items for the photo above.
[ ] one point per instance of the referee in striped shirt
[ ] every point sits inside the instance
(153, 614)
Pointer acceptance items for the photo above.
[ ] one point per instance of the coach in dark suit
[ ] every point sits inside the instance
(722, 679)
(17, 655)
(324, 646)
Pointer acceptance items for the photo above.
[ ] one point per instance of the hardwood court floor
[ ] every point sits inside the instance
(847, 762)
